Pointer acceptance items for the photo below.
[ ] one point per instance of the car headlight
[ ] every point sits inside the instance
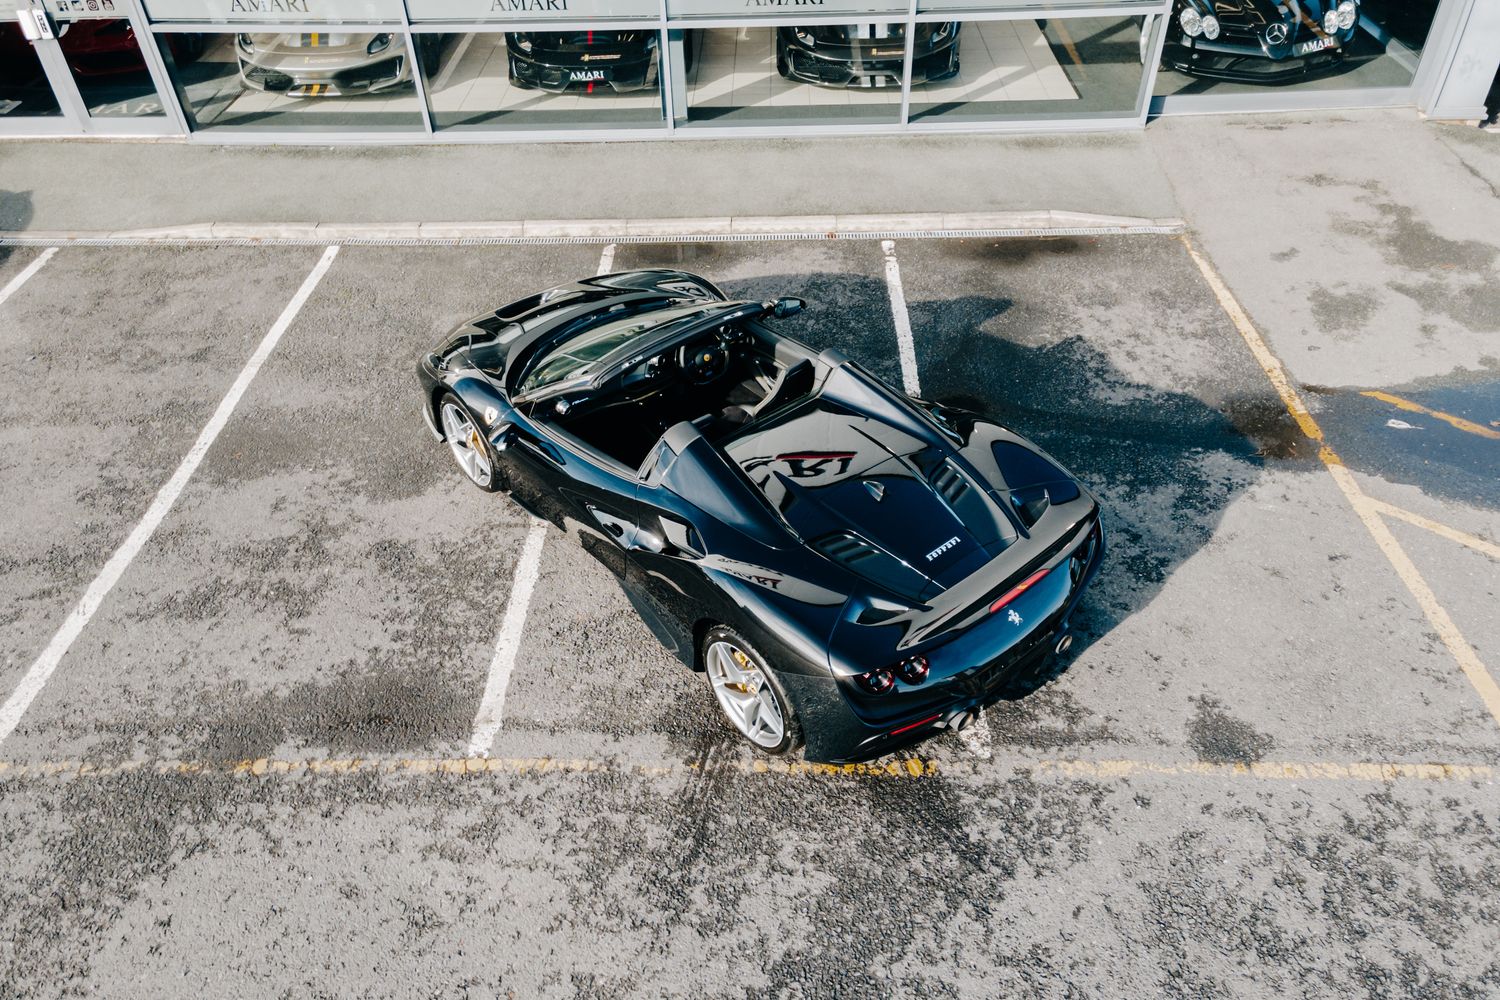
(523, 42)
(1331, 22)
(1348, 13)
(1192, 24)
(940, 33)
(245, 42)
(378, 44)
(805, 37)
(1210, 26)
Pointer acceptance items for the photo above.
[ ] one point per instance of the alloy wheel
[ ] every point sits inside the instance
(745, 694)
(466, 444)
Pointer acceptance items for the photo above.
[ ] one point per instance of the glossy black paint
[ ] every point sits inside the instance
(1252, 47)
(841, 527)
(850, 55)
(584, 60)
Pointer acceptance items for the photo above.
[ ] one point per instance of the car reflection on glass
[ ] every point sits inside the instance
(1259, 41)
(330, 64)
(588, 61)
(866, 55)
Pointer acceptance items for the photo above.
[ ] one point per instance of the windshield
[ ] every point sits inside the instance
(598, 347)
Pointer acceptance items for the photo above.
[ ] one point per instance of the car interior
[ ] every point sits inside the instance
(720, 381)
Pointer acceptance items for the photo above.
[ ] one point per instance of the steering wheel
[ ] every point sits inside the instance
(702, 363)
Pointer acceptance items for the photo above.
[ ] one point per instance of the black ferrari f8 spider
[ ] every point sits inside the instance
(850, 567)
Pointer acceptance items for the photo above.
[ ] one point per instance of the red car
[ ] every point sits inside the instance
(99, 47)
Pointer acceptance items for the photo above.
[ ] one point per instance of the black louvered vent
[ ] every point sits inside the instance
(949, 484)
(847, 549)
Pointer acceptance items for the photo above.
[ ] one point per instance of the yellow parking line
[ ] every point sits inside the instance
(1436, 527)
(898, 768)
(1468, 661)
(1468, 426)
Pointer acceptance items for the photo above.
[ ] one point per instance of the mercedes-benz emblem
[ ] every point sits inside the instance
(1277, 33)
(876, 490)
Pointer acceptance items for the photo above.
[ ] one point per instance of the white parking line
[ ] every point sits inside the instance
(36, 677)
(14, 284)
(976, 737)
(491, 714)
(508, 644)
(906, 347)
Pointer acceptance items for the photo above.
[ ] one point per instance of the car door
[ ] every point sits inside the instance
(579, 490)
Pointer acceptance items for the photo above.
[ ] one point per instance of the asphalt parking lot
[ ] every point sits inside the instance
(1260, 772)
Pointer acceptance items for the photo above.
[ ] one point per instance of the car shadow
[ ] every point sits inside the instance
(1165, 464)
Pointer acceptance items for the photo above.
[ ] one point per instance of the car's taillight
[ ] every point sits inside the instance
(913, 670)
(878, 681)
(1018, 590)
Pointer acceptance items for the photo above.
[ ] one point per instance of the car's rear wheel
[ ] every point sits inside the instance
(748, 692)
(467, 443)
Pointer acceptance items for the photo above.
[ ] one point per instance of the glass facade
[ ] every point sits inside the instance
(1074, 68)
(426, 69)
(1239, 47)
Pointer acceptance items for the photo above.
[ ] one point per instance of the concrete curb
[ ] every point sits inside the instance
(544, 231)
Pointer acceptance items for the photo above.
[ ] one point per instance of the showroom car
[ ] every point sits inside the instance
(850, 568)
(1259, 41)
(330, 64)
(866, 55)
(587, 60)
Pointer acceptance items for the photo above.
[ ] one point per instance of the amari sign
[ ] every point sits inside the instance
(275, 11)
(530, 10)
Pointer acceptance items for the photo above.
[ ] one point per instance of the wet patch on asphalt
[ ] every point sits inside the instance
(1219, 738)
(1374, 436)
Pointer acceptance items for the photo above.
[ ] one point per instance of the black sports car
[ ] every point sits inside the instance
(1259, 41)
(849, 566)
(866, 55)
(586, 60)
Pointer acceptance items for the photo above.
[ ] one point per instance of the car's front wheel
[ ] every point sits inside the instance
(748, 692)
(467, 443)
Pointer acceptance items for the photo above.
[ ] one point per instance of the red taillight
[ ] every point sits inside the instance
(1018, 590)
(877, 681)
(913, 670)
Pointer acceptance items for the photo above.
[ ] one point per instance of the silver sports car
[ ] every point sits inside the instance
(329, 64)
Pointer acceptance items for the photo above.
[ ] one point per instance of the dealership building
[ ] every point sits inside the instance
(528, 70)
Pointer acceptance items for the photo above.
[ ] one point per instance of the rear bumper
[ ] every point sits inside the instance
(836, 734)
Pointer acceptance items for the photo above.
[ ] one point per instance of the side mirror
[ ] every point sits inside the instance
(788, 306)
(646, 541)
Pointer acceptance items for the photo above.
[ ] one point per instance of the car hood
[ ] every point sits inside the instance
(888, 507)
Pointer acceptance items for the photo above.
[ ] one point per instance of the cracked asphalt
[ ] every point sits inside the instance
(327, 588)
